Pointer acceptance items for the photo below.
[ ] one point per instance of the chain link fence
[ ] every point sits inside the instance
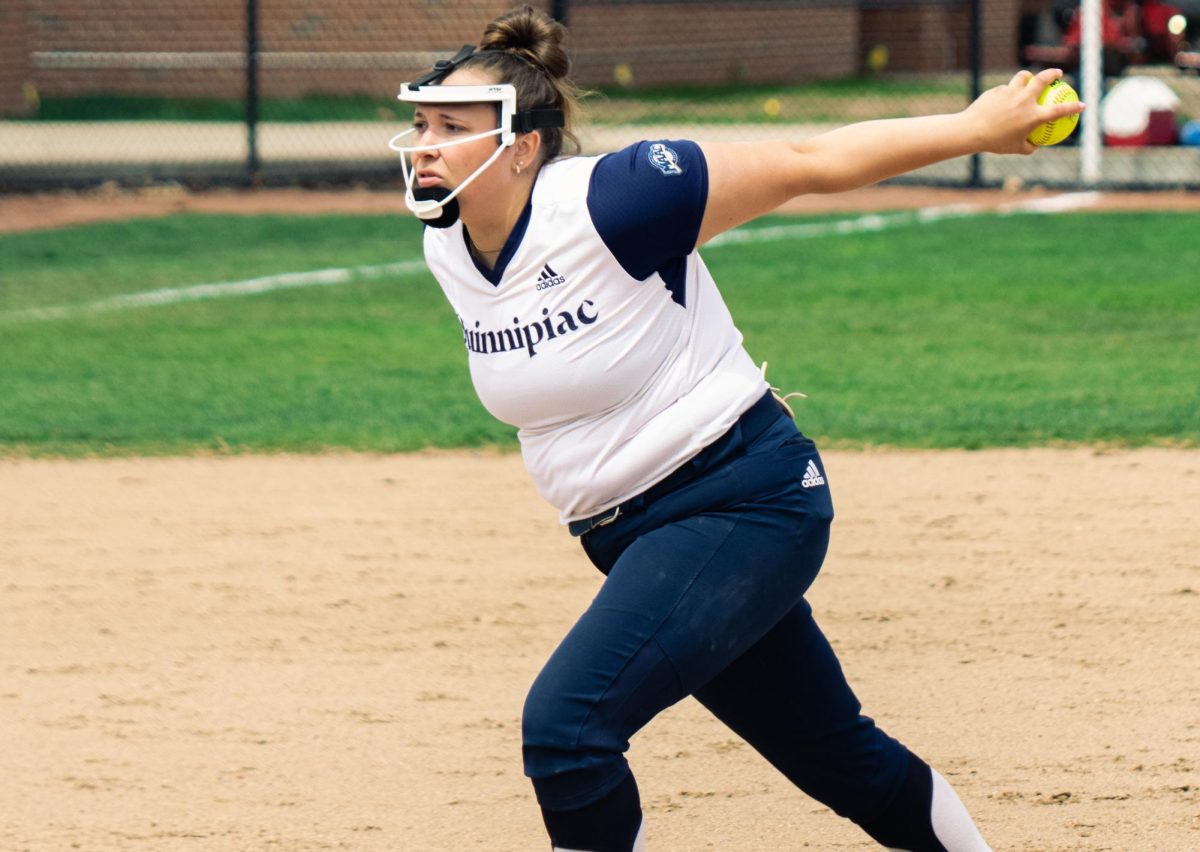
(278, 91)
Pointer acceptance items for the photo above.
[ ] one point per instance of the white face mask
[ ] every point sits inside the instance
(431, 205)
(438, 207)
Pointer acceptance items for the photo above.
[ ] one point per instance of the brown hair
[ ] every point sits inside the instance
(527, 52)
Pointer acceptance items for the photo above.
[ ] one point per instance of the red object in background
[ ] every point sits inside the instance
(1134, 29)
(1161, 130)
(1131, 33)
(1117, 29)
(1156, 18)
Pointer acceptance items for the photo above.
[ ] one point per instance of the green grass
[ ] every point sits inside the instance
(968, 333)
(984, 332)
(300, 370)
(81, 264)
(823, 101)
(102, 107)
(828, 100)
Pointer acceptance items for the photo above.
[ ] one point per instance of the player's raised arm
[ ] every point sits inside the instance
(749, 179)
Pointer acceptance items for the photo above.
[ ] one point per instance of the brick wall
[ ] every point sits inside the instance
(720, 43)
(14, 58)
(1001, 19)
(213, 31)
(662, 42)
(925, 38)
(936, 37)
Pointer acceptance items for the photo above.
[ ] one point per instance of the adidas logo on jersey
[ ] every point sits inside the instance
(549, 278)
(812, 476)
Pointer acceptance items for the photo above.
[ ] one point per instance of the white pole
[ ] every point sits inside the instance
(1091, 68)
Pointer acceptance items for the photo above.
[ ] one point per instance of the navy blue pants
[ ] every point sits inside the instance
(704, 596)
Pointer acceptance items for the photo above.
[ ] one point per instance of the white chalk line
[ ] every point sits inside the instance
(872, 222)
(218, 290)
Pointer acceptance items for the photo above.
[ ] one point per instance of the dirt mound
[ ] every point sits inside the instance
(332, 652)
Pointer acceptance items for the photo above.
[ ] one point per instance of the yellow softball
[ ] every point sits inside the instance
(1053, 132)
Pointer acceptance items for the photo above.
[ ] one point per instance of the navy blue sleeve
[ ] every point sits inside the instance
(647, 202)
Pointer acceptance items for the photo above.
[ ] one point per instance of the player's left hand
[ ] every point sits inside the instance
(1001, 118)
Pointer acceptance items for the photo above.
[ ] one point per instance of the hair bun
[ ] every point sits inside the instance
(532, 36)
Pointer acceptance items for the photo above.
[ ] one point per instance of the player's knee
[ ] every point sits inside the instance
(551, 727)
(571, 762)
(548, 720)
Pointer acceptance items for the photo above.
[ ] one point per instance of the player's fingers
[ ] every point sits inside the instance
(1044, 78)
(1055, 111)
(1020, 80)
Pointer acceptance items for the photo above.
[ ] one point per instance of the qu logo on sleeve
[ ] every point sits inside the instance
(665, 159)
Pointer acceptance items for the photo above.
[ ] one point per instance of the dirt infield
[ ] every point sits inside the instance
(58, 209)
(331, 652)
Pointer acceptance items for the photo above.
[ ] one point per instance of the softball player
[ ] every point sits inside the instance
(592, 324)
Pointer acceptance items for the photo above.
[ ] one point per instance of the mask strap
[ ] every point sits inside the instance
(538, 119)
(443, 67)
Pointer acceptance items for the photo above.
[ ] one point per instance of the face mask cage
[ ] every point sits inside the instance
(427, 90)
(504, 95)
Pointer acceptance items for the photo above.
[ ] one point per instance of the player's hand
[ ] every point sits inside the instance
(1002, 118)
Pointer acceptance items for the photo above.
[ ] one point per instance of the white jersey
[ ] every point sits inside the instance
(600, 334)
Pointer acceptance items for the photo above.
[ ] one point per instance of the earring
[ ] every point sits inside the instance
(519, 165)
